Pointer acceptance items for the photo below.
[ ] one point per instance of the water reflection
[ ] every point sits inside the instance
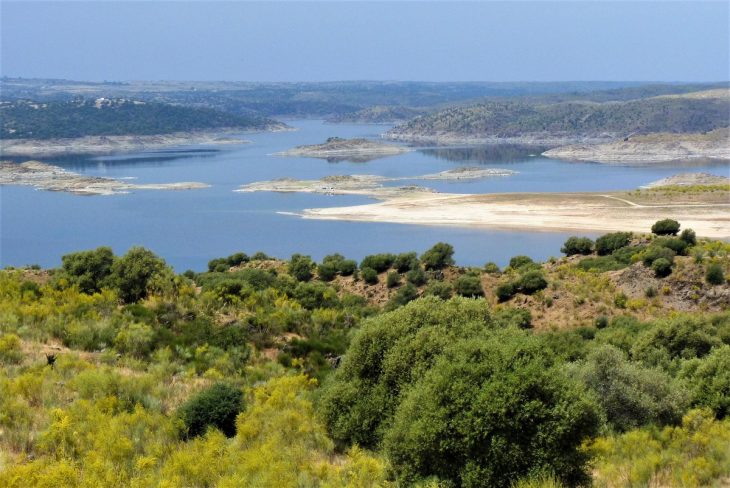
(148, 159)
(486, 154)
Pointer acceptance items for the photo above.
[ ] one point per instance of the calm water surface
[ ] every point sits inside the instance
(188, 228)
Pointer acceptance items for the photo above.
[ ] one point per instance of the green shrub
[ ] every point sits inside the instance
(260, 256)
(630, 395)
(133, 272)
(10, 349)
(405, 262)
(531, 282)
(674, 243)
(89, 270)
(601, 264)
(417, 276)
(392, 279)
(439, 289)
(491, 268)
(662, 267)
(666, 227)
(601, 322)
(369, 275)
(505, 291)
(513, 317)
(347, 267)
(709, 381)
(469, 286)
(300, 267)
(608, 243)
(326, 272)
(714, 274)
(378, 262)
(518, 262)
(465, 421)
(577, 245)
(216, 407)
(135, 339)
(438, 257)
(689, 236)
(652, 253)
(405, 294)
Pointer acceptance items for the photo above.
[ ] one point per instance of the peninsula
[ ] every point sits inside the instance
(705, 209)
(53, 178)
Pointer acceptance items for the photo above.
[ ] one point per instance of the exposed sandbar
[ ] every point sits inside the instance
(53, 178)
(707, 213)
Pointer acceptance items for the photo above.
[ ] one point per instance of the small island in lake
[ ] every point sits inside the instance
(339, 149)
(54, 178)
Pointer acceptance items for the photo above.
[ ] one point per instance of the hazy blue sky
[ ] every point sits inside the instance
(308, 41)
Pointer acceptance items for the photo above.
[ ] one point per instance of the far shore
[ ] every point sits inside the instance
(707, 213)
(97, 145)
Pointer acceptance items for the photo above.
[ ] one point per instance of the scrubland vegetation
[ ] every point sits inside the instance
(402, 370)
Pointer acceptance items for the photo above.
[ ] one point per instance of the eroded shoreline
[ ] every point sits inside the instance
(54, 178)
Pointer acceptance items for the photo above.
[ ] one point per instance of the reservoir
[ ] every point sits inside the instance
(188, 228)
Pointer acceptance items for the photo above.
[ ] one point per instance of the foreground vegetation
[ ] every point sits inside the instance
(402, 370)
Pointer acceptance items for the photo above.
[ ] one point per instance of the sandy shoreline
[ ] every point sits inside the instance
(708, 214)
(98, 145)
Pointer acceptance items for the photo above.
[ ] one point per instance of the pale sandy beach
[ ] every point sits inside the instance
(707, 213)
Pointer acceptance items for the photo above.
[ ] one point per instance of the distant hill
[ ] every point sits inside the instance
(25, 119)
(575, 120)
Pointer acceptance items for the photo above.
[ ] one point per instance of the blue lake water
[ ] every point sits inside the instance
(188, 228)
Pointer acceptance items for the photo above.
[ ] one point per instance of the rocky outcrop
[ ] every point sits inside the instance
(651, 148)
(49, 177)
(336, 148)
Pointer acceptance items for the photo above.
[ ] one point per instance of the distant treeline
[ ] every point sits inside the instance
(24, 119)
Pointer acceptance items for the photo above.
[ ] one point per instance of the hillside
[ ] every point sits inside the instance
(24, 119)
(651, 148)
(568, 121)
(116, 372)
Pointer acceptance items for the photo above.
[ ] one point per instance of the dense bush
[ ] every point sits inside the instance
(405, 262)
(89, 270)
(518, 262)
(343, 266)
(133, 272)
(216, 407)
(709, 381)
(491, 268)
(608, 243)
(689, 236)
(378, 262)
(652, 253)
(513, 317)
(505, 291)
(714, 274)
(405, 294)
(468, 286)
(10, 348)
(417, 276)
(439, 289)
(674, 243)
(392, 279)
(531, 282)
(326, 272)
(465, 420)
(662, 267)
(300, 267)
(631, 396)
(666, 227)
(369, 275)
(438, 257)
(577, 245)
(446, 394)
